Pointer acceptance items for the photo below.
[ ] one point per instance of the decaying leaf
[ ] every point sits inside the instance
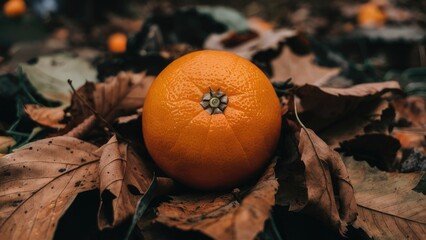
(240, 215)
(119, 95)
(310, 188)
(388, 207)
(338, 114)
(378, 149)
(123, 180)
(45, 116)
(288, 65)
(38, 183)
(50, 74)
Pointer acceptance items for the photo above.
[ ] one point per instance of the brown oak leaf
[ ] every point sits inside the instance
(329, 111)
(123, 179)
(39, 181)
(310, 186)
(288, 65)
(388, 207)
(240, 215)
(117, 96)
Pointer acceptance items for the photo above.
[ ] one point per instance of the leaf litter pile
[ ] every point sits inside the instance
(349, 165)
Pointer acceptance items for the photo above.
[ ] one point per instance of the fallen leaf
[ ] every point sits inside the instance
(330, 111)
(378, 150)
(38, 183)
(123, 179)
(310, 188)
(223, 216)
(6, 143)
(46, 116)
(266, 40)
(50, 74)
(119, 95)
(301, 69)
(388, 207)
(230, 17)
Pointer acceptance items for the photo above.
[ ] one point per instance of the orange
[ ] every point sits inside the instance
(117, 42)
(211, 120)
(371, 15)
(14, 8)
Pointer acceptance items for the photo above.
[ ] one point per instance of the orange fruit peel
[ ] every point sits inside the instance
(14, 8)
(117, 42)
(211, 120)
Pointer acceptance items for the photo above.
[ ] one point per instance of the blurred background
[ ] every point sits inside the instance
(332, 43)
(344, 26)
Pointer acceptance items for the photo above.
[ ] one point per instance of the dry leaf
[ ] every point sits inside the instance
(50, 74)
(311, 187)
(123, 179)
(46, 116)
(378, 150)
(301, 69)
(223, 216)
(38, 183)
(266, 40)
(330, 111)
(388, 207)
(5, 144)
(118, 96)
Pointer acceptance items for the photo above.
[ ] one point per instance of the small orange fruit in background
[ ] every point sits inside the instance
(117, 42)
(211, 120)
(371, 15)
(14, 8)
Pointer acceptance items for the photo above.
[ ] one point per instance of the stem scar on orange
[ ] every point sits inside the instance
(211, 120)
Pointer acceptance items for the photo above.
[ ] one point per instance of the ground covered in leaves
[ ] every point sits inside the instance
(352, 153)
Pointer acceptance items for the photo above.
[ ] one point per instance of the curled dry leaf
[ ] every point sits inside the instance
(38, 183)
(123, 179)
(240, 215)
(388, 207)
(318, 171)
(288, 65)
(118, 96)
(329, 111)
(46, 116)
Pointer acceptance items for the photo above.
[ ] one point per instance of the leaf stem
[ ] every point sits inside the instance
(315, 150)
(98, 116)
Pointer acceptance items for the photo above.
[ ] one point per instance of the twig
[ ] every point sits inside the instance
(98, 116)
